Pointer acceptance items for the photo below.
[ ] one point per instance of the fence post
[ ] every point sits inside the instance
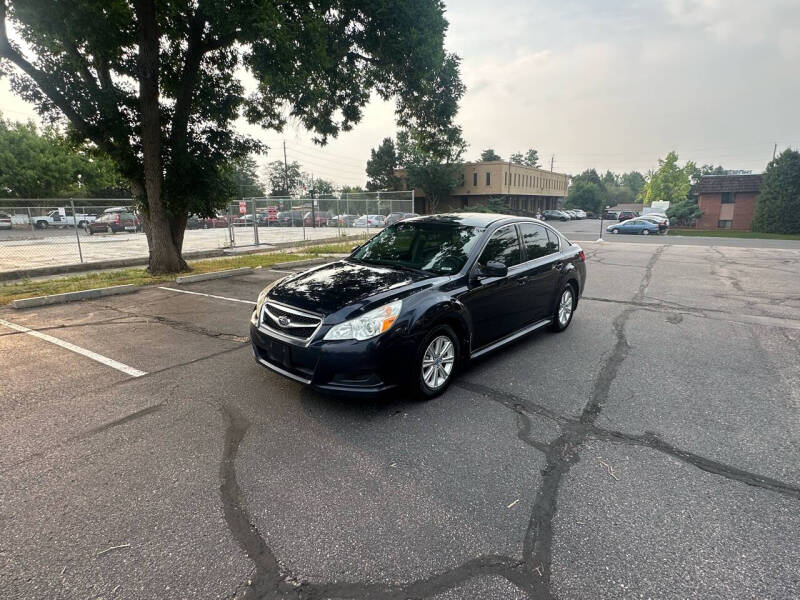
(75, 223)
(255, 223)
(231, 235)
(30, 220)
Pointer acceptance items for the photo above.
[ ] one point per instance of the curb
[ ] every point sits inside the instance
(214, 275)
(74, 296)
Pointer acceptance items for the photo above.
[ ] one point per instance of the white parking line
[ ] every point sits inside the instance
(169, 289)
(284, 271)
(109, 362)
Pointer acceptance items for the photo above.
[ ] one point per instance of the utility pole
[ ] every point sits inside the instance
(774, 150)
(552, 158)
(285, 170)
(313, 202)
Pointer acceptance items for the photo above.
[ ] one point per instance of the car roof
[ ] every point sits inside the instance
(470, 219)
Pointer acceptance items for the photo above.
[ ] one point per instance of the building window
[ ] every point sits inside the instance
(475, 179)
(724, 224)
(728, 198)
(488, 178)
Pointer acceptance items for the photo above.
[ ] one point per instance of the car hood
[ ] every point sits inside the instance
(330, 288)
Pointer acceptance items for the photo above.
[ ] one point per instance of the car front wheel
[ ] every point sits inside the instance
(645, 232)
(615, 231)
(565, 308)
(437, 359)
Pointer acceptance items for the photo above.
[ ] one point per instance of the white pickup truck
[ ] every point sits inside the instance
(61, 218)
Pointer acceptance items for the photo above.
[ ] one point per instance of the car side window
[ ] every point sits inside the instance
(503, 247)
(537, 244)
(553, 244)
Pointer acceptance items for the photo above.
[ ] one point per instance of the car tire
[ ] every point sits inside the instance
(434, 378)
(615, 231)
(645, 232)
(41, 224)
(564, 309)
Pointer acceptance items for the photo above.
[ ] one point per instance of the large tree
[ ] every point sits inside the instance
(155, 85)
(586, 196)
(244, 172)
(284, 179)
(529, 159)
(45, 164)
(634, 181)
(670, 182)
(778, 205)
(381, 167)
(489, 155)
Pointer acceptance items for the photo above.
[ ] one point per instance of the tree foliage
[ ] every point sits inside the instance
(489, 155)
(381, 167)
(586, 195)
(244, 173)
(634, 181)
(46, 164)
(669, 183)
(778, 205)
(529, 159)
(284, 182)
(155, 84)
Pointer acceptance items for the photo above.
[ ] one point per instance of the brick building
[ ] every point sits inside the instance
(727, 201)
(525, 189)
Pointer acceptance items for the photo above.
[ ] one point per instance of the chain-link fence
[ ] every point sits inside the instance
(37, 233)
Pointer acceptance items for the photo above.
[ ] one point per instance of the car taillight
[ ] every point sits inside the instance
(116, 218)
(582, 256)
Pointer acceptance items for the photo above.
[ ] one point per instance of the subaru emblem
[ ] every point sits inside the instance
(284, 321)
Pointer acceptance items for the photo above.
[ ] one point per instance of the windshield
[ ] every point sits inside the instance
(441, 248)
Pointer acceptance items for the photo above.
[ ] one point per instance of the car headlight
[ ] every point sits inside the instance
(367, 325)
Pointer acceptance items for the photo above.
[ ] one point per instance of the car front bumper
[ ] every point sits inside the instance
(347, 367)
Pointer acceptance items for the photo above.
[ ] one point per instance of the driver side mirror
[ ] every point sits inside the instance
(494, 268)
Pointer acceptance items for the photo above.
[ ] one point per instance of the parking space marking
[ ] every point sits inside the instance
(109, 362)
(283, 271)
(169, 289)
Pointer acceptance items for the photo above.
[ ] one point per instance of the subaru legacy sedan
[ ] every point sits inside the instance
(416, 301)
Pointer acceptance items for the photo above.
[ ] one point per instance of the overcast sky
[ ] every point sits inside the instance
(612, 85)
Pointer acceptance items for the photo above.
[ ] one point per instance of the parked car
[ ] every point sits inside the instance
(579, 213)
(320, 217)
(114, 222)
(55, 219)
(660, 215)
(369, 221)
(342, 221)
(624, 215)
(555, 215)
(396, 217)
(5, 220)
(195, 222)
(636, 225)
(662, 222)
(611, 215)
(290, 218)
(418, 300)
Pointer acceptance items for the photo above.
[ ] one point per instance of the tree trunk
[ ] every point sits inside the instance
(164, 255)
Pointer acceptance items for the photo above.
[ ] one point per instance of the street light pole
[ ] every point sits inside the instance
(602, 214)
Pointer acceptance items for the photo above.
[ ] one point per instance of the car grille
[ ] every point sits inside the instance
(289, 321)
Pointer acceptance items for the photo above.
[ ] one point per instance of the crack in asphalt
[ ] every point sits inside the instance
(532, 574)
(183, 326)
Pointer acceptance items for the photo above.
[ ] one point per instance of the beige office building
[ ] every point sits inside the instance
(525, 189)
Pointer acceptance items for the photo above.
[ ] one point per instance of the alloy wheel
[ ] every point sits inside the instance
(565, 307)
(438, 361)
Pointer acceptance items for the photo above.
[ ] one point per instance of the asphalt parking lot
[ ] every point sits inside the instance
(650, 451)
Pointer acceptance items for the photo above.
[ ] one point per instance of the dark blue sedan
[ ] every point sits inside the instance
(641, 226)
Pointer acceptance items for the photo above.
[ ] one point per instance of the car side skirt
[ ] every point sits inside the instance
(510, 338)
